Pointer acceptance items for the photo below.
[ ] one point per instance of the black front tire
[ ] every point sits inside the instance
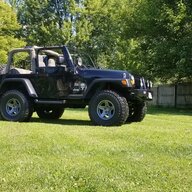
(50, 112)
(108, 108)
(137, 112)
(15, 106)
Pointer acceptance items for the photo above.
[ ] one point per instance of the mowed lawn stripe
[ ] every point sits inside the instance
(71, 154)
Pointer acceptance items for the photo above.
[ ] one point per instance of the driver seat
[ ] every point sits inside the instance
(51, 63)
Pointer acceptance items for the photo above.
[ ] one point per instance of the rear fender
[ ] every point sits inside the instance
(14, 82)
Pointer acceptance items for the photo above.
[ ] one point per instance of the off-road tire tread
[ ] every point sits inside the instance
(28, 110)
(122, 104)
(140, 111)
(56, 114)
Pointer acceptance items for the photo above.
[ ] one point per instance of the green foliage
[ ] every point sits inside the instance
(163, 32)
(72, 155)
(50, 22)
(8, 31)
(149, 37)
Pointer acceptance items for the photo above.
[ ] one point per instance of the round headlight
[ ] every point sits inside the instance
(141, 82)
(132, 80)
(151, 84)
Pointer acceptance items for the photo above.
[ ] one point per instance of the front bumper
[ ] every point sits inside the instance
(142, 94)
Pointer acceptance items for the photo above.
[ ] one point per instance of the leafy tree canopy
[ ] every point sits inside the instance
(163, 32)
(49, 22)
(149, 37)
(8, 31)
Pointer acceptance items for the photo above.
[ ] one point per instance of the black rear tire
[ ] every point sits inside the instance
(137, 112)
(108, 108)
(15, 106)
(50, 112)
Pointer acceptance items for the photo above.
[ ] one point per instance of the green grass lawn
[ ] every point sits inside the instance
(72, 155)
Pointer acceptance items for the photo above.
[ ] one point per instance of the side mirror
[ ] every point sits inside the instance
(79, 61)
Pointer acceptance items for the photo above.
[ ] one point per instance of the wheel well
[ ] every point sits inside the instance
(14, 85)
(106, 85)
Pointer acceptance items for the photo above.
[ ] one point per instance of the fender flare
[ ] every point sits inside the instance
(26, 82)
(103, 81)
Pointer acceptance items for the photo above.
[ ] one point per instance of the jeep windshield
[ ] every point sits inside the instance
(79, 59)
(82, 60)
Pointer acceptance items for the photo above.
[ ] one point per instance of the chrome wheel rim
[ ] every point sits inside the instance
(13, 107)
(105, 109)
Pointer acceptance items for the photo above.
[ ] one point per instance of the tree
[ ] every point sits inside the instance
(8, 31)
(104, 40)
(150, 37)
(49, 22)
(162, 30)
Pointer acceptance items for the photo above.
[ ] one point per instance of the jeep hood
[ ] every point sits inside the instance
(105, 73)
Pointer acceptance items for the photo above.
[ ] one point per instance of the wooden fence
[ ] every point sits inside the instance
(179, 96)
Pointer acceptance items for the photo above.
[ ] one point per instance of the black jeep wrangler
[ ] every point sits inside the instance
(50, 79)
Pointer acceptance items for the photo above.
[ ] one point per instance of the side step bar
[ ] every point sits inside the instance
(50, 102)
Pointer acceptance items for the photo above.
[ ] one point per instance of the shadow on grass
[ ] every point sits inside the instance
(168, 111)
(62, 121)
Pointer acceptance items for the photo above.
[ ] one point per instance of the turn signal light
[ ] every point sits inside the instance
(124, 82)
